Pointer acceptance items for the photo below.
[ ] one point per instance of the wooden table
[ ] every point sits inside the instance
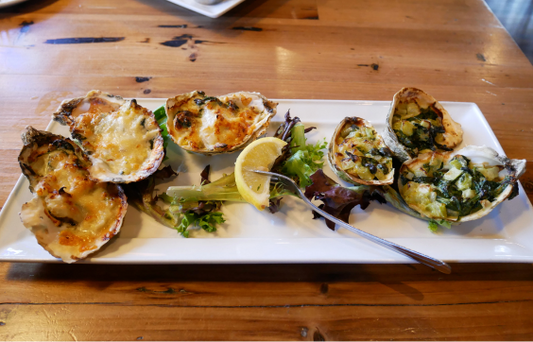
(456, 50)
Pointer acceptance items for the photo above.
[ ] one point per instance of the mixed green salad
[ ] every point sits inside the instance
(184, 207)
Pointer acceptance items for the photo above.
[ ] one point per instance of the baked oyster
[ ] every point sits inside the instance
(459, 186)
(358, 154)
(70, 214)
(417, 123)
(212, 125)
(121, 138)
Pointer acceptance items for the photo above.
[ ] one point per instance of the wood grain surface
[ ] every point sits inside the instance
(455, 50)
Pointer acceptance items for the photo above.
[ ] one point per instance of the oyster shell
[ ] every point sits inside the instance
(121, 138)
(70, 214)
(459, 186)
(212, 125)
(358, 154)
(417, 123)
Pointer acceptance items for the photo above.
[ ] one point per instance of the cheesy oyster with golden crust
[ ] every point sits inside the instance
(70, 214)
(211, 125)
(121, 138)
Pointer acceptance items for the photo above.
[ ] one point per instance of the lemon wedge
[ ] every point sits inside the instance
(259, 155)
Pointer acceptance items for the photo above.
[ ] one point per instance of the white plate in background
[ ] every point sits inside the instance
(291, 235)
(6, 3)
(212, 11)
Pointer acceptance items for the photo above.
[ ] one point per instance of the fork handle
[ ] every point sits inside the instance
(437, 264)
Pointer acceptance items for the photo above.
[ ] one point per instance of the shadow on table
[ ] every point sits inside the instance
(266, 273)
(169, 281)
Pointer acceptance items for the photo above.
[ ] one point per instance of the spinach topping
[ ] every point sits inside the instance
(201, 102)
(423, 138)
(230, 105)
(450, 192)
(383, 168)
(384, 151)
(361, 149)
(374, 151)
(183, 119)
(77, 136)
(61, 144)
(352, 156)
(370, 164)
(427, 114)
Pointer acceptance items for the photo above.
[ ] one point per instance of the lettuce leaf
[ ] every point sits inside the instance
(161, 118)
(141, 196)
(175, 214)
(299, 160)
(338, 200)
(206, 221)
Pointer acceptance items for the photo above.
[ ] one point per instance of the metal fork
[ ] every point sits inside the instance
(417, 256)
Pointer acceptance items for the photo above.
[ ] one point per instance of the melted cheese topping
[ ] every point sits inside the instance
(358, 153)
(70, 214)
(219, 124)
(118, 142)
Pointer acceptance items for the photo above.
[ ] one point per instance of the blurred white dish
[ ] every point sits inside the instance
(208, 2)
(212, 11)
(5, 3)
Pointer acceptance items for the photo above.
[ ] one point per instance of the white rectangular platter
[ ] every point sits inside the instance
(291, 235)
(212, 11)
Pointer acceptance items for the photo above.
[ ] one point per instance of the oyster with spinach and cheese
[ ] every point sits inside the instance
(417, 123)
(459, 186)
(121, 138)
(70, 214)
(357, 154)
(212, 125)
